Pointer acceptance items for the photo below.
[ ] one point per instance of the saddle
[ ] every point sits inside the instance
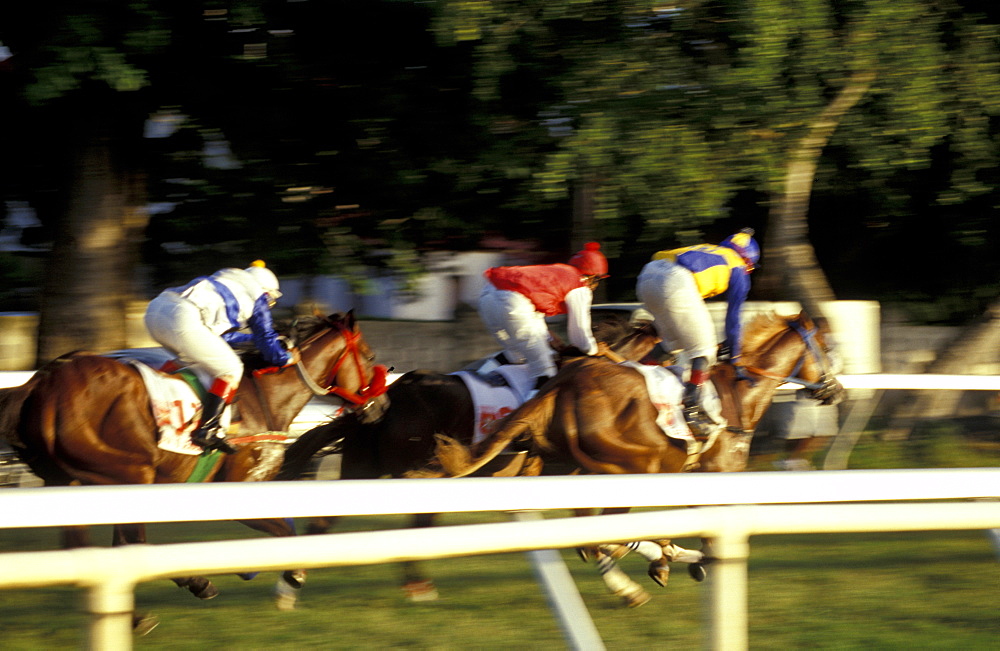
(175, 395)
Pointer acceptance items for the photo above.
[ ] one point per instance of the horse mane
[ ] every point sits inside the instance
(298, 330)
(762, 328)
(612, 329)
(304, 327)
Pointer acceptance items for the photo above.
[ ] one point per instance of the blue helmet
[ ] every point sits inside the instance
(744, 244)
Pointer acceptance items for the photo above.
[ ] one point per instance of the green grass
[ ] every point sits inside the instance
(870, 591)
(885, 591)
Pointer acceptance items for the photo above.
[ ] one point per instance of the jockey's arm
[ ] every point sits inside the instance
(578, 302)
(736, 294)
(264, 337)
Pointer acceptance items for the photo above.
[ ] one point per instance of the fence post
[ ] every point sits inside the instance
(111, 605)
(729, 549)
(563, 596)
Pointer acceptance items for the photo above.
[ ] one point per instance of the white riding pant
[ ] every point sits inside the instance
(519, 328)
(176, 323)
(682, 319)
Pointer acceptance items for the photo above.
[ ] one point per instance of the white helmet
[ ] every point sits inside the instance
(265, 278)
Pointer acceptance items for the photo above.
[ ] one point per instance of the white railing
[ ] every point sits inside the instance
(110, 575)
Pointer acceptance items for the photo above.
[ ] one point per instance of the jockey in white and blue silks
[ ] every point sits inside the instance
(201, 322)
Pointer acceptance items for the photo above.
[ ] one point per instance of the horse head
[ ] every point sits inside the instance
(778, 350)
(334, 350)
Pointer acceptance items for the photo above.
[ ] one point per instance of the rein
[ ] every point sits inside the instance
(809, 337)
(375, 388)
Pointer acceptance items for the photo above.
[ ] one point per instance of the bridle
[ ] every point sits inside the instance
(827, 385)
(351, 354)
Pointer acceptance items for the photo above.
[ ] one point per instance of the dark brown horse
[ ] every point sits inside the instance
(596, 417)
(422, 404)
(86, 419)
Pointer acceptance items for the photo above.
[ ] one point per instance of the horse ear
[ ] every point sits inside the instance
(349, 320)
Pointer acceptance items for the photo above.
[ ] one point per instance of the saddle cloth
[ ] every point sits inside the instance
(666, 392)
(176, 407)
(491, 402)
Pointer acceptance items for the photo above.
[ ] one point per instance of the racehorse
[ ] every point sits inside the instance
(597, 417)
(421, 404)
(86, 419)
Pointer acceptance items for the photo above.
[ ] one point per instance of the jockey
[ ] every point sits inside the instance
(673, 285)
(200, 324)
(515, 301)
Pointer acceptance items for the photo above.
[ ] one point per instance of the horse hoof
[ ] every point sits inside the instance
(697, 572)
(584, 553)
(143, 623)
(659, 574)
(208, 592)
(420, 591)
(294, 578)
(635, 599)
(248, 576)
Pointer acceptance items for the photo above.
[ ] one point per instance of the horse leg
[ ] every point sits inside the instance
(75, 537)
(320, 525)
(654, 552)
(618, 582)
(135, 534)
(416, 585)
(286, 590)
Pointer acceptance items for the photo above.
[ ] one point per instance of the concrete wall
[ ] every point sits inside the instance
(448, 345)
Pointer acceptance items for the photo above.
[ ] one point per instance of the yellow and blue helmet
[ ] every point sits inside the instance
(744, 244)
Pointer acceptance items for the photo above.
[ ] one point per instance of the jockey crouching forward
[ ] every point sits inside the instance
(515, 301)
(200, 323)
(673, 287)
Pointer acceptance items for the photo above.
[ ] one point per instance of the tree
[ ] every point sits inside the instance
(665, 113)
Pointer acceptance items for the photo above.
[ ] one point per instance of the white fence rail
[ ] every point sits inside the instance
(110, 575)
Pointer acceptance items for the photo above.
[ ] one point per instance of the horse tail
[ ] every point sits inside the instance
(456, 460)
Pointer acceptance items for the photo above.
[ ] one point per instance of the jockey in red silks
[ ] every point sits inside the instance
(515, 301)
(200, 323)
(673, 287)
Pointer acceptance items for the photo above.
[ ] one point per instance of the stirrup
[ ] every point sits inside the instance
(698, 421)
(209, 442)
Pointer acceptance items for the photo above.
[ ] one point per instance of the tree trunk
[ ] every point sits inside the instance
(788, 265)
(89, 274)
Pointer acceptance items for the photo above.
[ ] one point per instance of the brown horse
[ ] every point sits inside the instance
(86, 419)
(421, 404)
(596, 417)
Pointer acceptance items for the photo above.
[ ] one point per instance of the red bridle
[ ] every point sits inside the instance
(375, 388)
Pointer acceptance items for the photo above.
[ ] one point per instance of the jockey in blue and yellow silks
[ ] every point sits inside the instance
(673, 287)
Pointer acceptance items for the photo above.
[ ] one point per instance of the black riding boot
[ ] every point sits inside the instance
(694, 414)
(209, 434)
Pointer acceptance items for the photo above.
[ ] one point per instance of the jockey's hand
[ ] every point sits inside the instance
(725, 352)
(741, 374)
(293, 357)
